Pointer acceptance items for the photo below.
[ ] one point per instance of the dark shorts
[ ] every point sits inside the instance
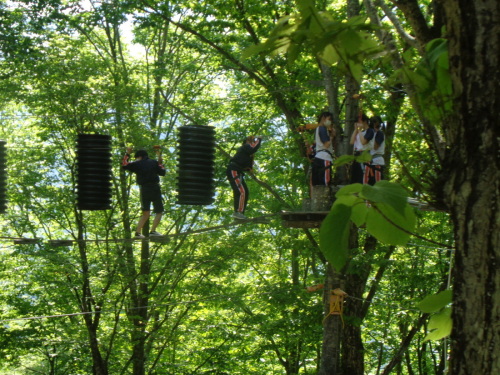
(321, 172)
(151, 194)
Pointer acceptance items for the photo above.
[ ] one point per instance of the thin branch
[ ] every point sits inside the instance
(413, 13)
(374, 205)
(411, 40)
(378, 278)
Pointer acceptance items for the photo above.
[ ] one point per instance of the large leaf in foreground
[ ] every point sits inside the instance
(334, 235)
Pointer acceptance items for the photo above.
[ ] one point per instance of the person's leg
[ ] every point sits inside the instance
(240, 191)
(379, 173)
(321, 172)
(246, 194)
(156, 221)
(316, 172)
(356, 173)
(368, 175)
(328, 172)
(146, 208)
(142, 221)
(157, 207)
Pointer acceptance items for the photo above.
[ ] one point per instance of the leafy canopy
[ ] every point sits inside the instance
(346, 43)
(382, 208)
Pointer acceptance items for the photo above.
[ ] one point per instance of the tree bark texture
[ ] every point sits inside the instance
(332, 328)
(355, 285)
(472, 174)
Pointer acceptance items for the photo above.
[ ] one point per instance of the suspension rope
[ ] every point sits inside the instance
(66, 242)
(177, 303)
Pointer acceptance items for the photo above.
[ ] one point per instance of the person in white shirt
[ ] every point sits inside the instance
(362, 139)
(374, 171)
(322, 162)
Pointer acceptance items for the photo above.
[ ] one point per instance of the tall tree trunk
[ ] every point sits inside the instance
(332, 328)
(472, 173)
(139, 314)
(99, 365)
(355, 284)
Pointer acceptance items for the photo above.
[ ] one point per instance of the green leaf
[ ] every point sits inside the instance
(390, 226)
(344, 159)
(440, 325)
(359, 212)
(437, 48)
(364, 157)
(330, 56)
(348, 199)
(386, 192)
(334, 235)
(435, 302)
(305, 6)
(349, 189)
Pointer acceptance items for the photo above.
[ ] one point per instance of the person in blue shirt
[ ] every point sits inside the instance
(324, 139)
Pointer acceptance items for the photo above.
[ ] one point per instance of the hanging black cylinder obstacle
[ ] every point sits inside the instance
(93, 166)
(196, 156)
(3, 178)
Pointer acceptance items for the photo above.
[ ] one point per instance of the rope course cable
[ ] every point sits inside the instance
(225, 99)
(66, 242)
(213, 297)
(178, 303)
(373, 302)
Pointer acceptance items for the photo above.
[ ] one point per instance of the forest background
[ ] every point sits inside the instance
(233, 300)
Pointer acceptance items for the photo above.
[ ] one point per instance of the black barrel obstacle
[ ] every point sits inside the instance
(94, 172)
(196, 156)
(3, 178)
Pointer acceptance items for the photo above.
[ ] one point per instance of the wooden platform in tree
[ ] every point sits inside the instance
(303, 219)
(313, 219)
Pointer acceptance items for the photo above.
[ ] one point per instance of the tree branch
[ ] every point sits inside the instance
(413, 13)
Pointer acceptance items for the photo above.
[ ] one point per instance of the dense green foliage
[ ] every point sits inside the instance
(231, 300)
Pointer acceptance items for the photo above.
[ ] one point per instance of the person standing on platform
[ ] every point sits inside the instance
(242, 161)
(147, 173)
(362, 139)
(322, 163)
(374, 171)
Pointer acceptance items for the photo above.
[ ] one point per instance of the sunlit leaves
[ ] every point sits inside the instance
(440, 323)
(334, 234)
(344, 159)
(435, 302)
(346, 43)
(432, 80)
(382, 208)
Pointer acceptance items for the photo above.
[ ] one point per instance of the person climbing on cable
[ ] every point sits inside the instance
(242, 161)
(147, 173)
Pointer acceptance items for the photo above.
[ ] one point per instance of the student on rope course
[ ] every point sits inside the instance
(374, 171)
(242, 161)
(322, 163)
(324, 137)
(362, 139)
(147, 173)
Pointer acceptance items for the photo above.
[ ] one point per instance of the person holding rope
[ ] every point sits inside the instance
(362, 139)
(374, 171)
(147, 173)
(320, 171)
(242, 161)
